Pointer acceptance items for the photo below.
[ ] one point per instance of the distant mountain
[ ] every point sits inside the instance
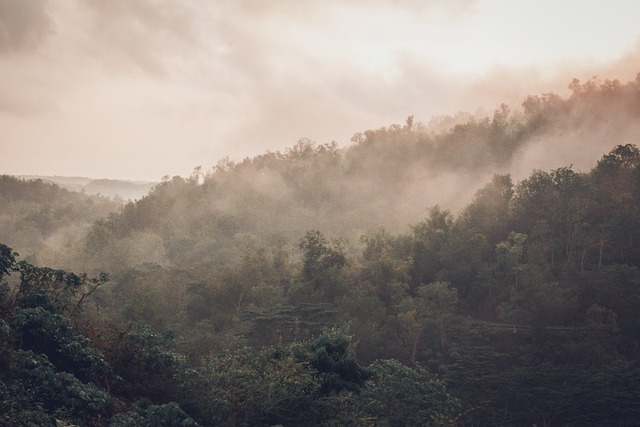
(127, 190)
(40, 217)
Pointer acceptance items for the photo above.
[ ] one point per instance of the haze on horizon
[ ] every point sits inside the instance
(147, 88)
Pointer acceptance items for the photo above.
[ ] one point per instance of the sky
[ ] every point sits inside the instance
(140, 89)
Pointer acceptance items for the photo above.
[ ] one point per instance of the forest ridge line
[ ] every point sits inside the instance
(298, 273)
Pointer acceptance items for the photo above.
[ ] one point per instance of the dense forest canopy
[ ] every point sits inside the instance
(408, 279)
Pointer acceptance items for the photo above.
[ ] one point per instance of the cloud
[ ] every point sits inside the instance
(195, 81)
(328, 71)
(149, 35)
(24, 25)
(20, 98)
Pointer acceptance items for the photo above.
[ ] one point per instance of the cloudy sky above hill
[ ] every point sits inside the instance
(138, 89)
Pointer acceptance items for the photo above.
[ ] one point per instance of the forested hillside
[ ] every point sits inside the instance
(45, 222)
(115, 188)
(389, 177)
(356, 286)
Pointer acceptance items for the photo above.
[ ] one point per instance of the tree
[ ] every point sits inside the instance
(296, 384)
(47, 368)
(386, 265)
(617, 287)
(614, 212)
(332, 355)
(430, 238)
(398, 395)
(145, 414)
(489, 212)
(410, 327)
(437, 304)
(621, 157)
(322, 266)
(7, 260)
(511, 257)
(284, 324)
(432, 311)
(545, 208)
(65, 291)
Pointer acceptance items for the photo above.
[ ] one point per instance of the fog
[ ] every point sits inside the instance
(333, 201)
(152, 88)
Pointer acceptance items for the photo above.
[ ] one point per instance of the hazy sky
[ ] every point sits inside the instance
(138, 89)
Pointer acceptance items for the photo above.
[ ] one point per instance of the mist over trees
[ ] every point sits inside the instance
(45, 222)
(389, 177)
(408, 279)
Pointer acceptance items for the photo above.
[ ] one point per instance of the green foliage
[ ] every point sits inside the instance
(147, 363)
(19, 408)
(58, 393)
(431, 238)
(7, 260)
(265, 386)
(489, 213)
(437, 304)
(53, 336)
(149, 293)
(48, 371)
(622, 157)
(42, 218)
(286, 324)
(617, 287)
(559, 394)
(547, 208)
(322, 266)
(145, 414)
(386, 266)
(59, 290)
(334, 359)
(213, 257)
(7, 265)
(398, 395)
(298, 384)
